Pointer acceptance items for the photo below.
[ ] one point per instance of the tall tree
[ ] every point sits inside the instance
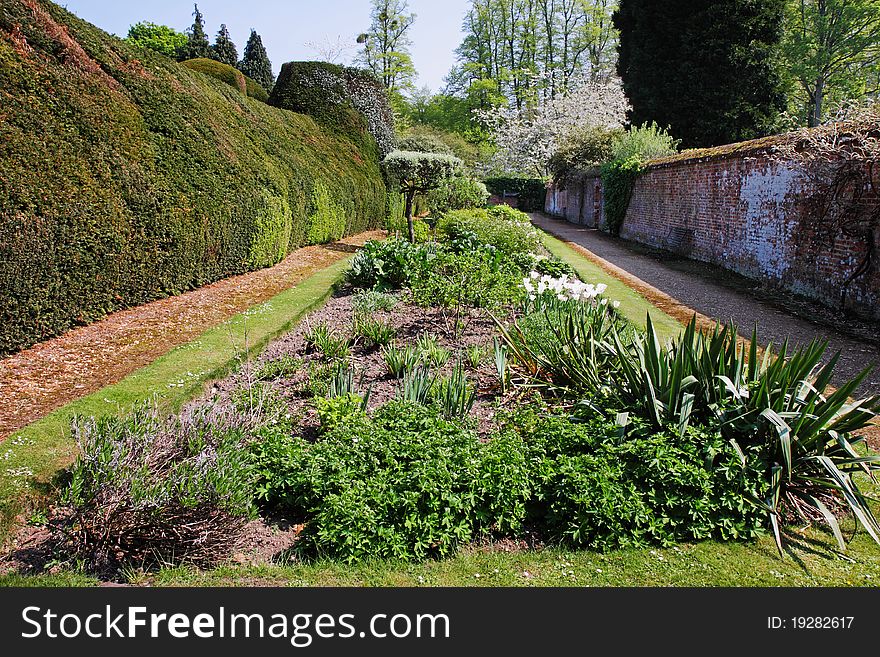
(197, 41)
(255, 62)
(386, 45)
(224, 49)
(707, 69)
(832, 49)
(161, 38)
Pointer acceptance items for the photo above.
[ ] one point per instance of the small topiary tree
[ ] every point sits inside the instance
(418, 173)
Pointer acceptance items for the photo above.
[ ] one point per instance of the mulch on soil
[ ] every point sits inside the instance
(39, 380)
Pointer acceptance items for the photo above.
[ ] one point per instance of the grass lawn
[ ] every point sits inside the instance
(45, 446)
(39, 451)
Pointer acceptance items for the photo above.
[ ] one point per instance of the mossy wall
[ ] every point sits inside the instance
(126, 177)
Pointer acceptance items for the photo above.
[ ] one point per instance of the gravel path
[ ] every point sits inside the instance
(35, 382)
(723, 296)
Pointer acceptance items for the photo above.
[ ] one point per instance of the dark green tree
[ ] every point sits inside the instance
(197, 41)
(255, 62)
(707, 69)
(224, 49)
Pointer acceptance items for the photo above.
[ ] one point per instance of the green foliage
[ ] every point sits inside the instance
(419, 172)
(368, 302)
(147, 490)
(327, 221)
(508, 231)
(338, 410)
(196, 45)
(645, 142)
(430, 350)
(774, 411)
(129, 178)
(255, 90)
(481, 279)
(418, 386)
(328, 342)
(255, 62)
(532, 192)
(400, 360)
(387, 265)
(375, 332)
(224, 50)
(349, 101)
(475, 354)
(618, 179)
(457, 193)
(277, 368)
(582, 151)
(710, 72)
(406, 484)
(159, 38)
(223, 72)
(455, 394)
(424, 143)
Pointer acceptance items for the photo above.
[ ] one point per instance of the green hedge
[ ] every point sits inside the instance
(126, 177)
(532, 191)
(618, 179)
(230, 75)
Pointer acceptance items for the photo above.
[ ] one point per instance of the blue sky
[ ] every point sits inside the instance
(286, 27)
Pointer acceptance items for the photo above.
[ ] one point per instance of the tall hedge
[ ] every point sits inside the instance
(531, 192)
(126, 177)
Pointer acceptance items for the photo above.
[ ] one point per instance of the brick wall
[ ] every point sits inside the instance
(745, 212)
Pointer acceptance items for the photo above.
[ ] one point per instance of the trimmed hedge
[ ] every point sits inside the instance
(532, 191)
(126, 177)
(348, 100)
(223, 72)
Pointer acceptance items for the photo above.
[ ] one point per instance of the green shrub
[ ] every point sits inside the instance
(344, 99)
(400, 485)
(148, 490)
(511, 236)
(338, 410)
(368, 302)
(128, 177)
(387, 265)
(223, 72)
(645, 142)
(480, 279)
(532, 191)
(582, 151)
(255, 90)
(457, 193)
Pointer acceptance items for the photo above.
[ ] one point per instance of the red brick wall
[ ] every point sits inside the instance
(580, 204)
(749, 214)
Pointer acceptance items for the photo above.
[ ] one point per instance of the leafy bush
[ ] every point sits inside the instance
(148, 491)
(643, 143)
(532, 191)
(344, 99)
(367, 302)
(424, 143)
(481, 279)
(513, 236)
(223, 72)
(336, 411)
(387, 265)
(582, 151)
(404, 484)
(160, 180)
(458, 193)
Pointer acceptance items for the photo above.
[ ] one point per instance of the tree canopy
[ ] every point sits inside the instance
(160, 38)
(418, 173)
(224, 50)
(255, 62)
(197, 44)
(386, 44)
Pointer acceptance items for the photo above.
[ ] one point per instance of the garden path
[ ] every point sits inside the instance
(36, 381)
(681, 287)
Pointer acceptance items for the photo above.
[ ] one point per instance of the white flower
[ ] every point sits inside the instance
(600, 289)
(616, 304)
(535, 275)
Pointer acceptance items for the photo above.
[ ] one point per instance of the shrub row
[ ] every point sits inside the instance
(532, 192)
(125, 177)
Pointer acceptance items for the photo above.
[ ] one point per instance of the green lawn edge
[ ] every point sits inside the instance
(32, 457)
(633, 305)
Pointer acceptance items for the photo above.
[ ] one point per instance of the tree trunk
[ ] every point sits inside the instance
(816, 103)
(410, 196)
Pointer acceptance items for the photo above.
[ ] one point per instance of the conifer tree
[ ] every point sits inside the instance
(197, 41)
(255, 63)
(224, 49)
(708, 69)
